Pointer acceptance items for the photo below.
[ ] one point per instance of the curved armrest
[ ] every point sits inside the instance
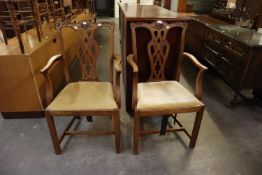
(48, 80)
(50, 63)
(202, 69)
(193, 59)
(117, 66)
(132, 63)
(117, 63)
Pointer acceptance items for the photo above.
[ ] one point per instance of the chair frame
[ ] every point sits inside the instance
(115, 63)
(40, 14)
(54, 10)
(158, 32)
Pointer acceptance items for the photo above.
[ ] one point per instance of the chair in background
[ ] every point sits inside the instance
(87, 97)
(81, 5)
(91, 6)
(42, 12)
(57, 10)
(19, 13)
(160, 93)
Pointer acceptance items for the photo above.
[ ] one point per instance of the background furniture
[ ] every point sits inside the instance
(42, 12)
(105, 8)
(249, 11)
(140, 13)
(57, 10)
(89, 96)
(182, 5)
(158, 93)
(19, 13)
(28, 98)
(234, 52)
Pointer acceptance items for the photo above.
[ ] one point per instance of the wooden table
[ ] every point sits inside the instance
(140, 13)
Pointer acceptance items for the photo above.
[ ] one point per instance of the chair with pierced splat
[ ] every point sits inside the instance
(154, 92)
(89, 96)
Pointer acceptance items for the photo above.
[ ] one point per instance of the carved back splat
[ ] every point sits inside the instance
(87, 46)
(158, 47)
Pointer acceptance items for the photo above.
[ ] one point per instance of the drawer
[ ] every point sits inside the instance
(229, 72)
(211, 56)
(236, 48)
(234, 58)
(213, 37)
(214, 45)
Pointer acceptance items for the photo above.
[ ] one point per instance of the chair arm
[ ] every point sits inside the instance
(48, 81)
(199, 78)
(132, 63)
(117, 63)
(50, 63)
(117, 66)
(194, 60)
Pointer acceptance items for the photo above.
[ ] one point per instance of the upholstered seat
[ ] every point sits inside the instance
(164, 95)
(84, 96)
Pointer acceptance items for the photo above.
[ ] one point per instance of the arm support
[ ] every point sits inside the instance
(50, 63)
(48, 80)
(117, 66)
(202, 69)
(134, 66)
(117, 63)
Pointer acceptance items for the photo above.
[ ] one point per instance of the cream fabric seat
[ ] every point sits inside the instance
(84, 96)
(164, 95)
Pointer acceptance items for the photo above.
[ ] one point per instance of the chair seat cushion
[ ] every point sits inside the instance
(164, 95)
(84, 96)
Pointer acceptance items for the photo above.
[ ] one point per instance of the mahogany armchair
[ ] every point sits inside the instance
(161, 94)
(89, 96)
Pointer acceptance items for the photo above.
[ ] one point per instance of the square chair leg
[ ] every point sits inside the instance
(136, 134)
(116, 124)
(53, 133)
(196, 127)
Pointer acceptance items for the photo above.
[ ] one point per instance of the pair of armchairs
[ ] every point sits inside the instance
(89, 97)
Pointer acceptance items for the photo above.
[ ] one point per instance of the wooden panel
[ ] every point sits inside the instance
(167, 4)
(151, 12)
(17, 90)
(253, 78)
(181, 5)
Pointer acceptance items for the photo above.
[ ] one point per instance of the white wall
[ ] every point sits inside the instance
(174, 4)
(143, 2)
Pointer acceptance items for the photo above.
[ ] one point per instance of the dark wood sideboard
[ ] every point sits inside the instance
(234, 52)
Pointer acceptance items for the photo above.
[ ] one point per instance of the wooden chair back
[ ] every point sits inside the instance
(87, 47)
(164, 43)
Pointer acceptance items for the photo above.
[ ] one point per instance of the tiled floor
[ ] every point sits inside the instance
(229, 143)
